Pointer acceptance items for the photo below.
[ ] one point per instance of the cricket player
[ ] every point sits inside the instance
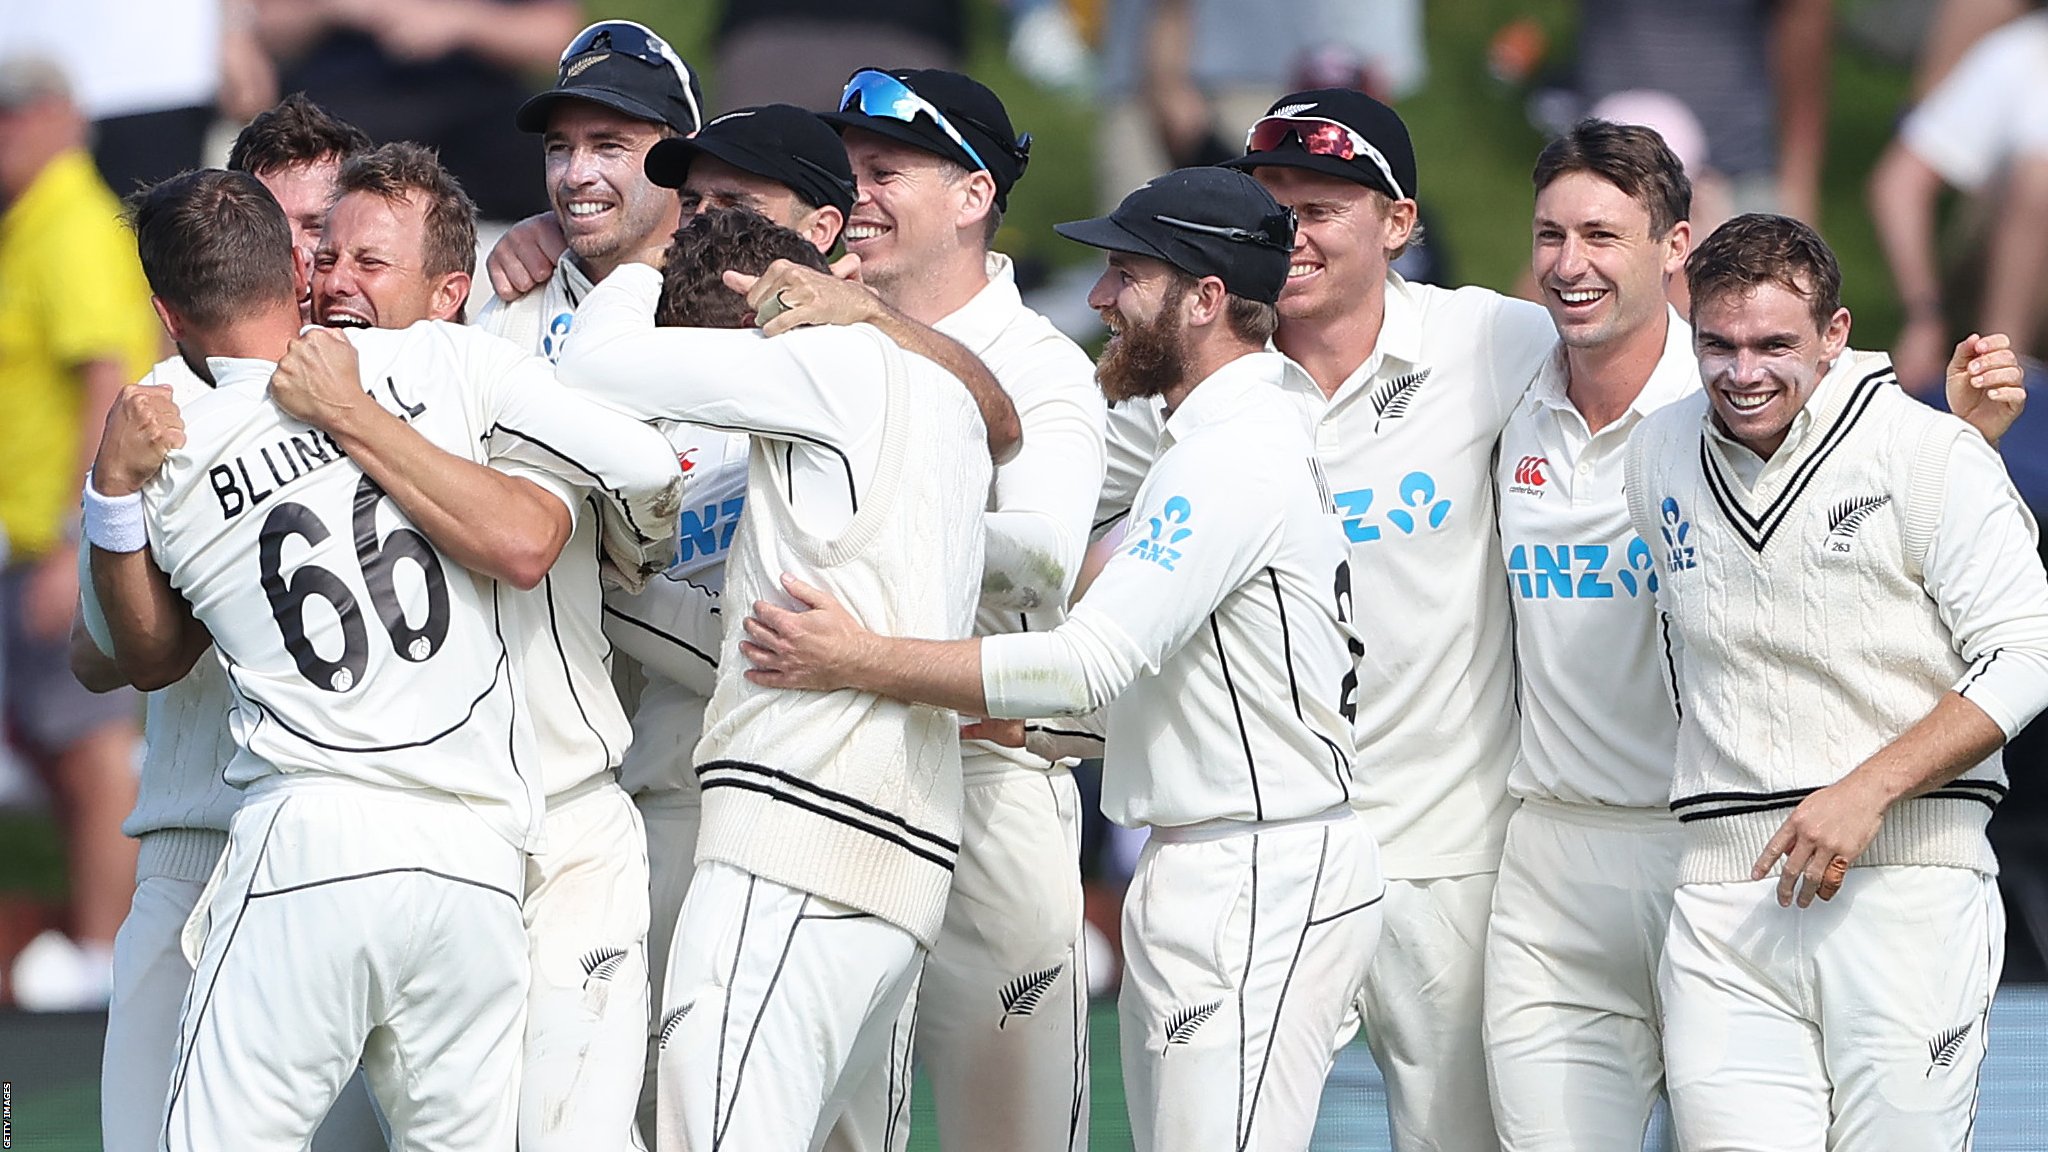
(1859, 621)
(830, 822)
(1221, 646)
(1573, 1028)
(399, 245)
(1413, 384)
(183, 803)
(373, 688)
(1001, 1010)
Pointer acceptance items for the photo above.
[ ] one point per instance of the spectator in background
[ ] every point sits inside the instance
(1183, 79)
(1984, 131)
(75, 326)
(801, 51)
(1755, 73)
(445, 73)
(155, 73)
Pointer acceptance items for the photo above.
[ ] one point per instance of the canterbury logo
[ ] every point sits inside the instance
(1945, 1047)
(670, 1022)
(1390, 400)
(1022, 995)
(1529, 477)
(1845, 518)
(603, 963)
(1180, 1027)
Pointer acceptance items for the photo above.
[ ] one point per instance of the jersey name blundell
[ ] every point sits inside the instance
(239, 485)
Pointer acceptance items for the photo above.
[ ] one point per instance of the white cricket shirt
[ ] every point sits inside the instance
(572, 622)
(1598, 724)
(185, 738)
(352, 645)
(1039, 506)
(1407, 442)
(1218, 638)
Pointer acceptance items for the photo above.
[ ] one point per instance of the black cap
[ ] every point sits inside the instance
(626, 67)
(1205, 222)
(780, 142)
(973, 110)
(1374, 121)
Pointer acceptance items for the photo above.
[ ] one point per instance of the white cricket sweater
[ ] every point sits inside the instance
(868, 476)
(1823, 601)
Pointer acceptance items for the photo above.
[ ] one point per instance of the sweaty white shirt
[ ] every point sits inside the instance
(1407, 441)
(1598, 724)
(352, 645)
(1219, 638)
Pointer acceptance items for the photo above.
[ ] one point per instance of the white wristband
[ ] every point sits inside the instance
(114, 523)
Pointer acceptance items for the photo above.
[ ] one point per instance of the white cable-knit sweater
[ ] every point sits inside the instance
(1807, 631)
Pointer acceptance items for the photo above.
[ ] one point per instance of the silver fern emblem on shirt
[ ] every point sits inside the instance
(1180, 1027)
(1022, 995)
(1391, 399)
(1946, 1046)
(670, 1022)
(1845, 518)
(603, 963)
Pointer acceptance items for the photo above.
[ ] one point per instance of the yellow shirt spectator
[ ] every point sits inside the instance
(71, 292)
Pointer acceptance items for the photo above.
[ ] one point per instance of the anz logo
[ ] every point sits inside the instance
(1581, 571)
(707, 531)
(1166, 531)
(557, 333)
(1679, 551)
(1416, 510)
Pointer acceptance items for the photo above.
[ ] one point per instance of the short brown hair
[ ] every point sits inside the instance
(403, 170)
(214, 245)
(711, 243)
(1252, 321)
(1757, 249)
(293, 132)
(1631, 157)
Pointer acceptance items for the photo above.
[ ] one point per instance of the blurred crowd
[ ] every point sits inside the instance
(98, 97)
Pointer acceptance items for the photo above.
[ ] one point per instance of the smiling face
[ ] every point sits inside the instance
(714, 184)
(1143, 302)
(911, 208)
(1761, 356)
(304, 191)
(1601, 273)
(1343, 242)
(598, 185)
(370, 268)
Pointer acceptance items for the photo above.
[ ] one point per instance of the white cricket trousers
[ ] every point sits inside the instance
(151, 974)
(777, 1003)
(671, 818)
(586, 1010)
(351, 923)
(1244, 948)
(1423, 1008)
(1853, 1025)
(1001, 1012)
(1574, 1034)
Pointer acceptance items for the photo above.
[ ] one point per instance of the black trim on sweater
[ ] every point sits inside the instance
(1756, 531)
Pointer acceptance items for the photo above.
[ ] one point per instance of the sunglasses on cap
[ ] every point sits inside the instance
(1275, 231)
(1320, 137)
(881, 95)
(626, 38)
